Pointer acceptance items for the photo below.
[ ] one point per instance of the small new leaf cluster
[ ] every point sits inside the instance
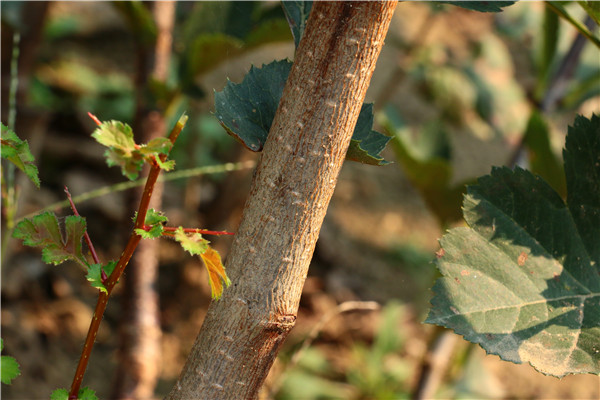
(44, 231)
(17, 151)
(154, 221)
(124, 152)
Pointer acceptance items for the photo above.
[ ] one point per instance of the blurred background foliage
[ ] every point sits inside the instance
(458, 91)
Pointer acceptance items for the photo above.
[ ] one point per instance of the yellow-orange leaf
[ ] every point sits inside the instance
(216, 272)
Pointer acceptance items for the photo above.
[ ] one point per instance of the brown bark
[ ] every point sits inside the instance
(291, 189)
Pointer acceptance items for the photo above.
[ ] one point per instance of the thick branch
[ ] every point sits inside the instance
(291, 189)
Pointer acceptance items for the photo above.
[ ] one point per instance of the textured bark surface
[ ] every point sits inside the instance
(291, 189)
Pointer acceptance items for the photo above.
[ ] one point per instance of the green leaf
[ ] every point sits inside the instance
(523, 280)
(9, 367)
(122, 150)
(60, 394)
(17, 151)
(125, 153)
(296, 13)
(154, 219)
(193, 243)
(84, 394)
(94, 275)
(246, 111)
(582, 170)
(43, 231)
(481, 6)
(367, 144)
(87, 394)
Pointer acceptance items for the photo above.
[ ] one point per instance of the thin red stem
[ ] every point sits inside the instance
(85, 234)
(112, 280)
(96, 120)
(169, 230)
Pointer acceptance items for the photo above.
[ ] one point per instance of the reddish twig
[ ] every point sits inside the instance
(169, 230)
(96, 120)
(85, 234)
(112, 280)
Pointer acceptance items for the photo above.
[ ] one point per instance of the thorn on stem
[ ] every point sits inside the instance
(103, 276)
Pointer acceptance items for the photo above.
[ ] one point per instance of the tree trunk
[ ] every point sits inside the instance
(292, 186)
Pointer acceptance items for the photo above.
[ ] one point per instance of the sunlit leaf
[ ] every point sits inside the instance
(216, 272)
(193, 243)
(124, 152)
(523, 280)
(43, 231)
(17, 151)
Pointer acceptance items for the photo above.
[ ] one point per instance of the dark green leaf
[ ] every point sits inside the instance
(246, 111)
(297, 13)
(481, 6)
(17, 151)
(541, 157)
(43, 231)
(524, 279)
(367, 144)
(582, 170)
